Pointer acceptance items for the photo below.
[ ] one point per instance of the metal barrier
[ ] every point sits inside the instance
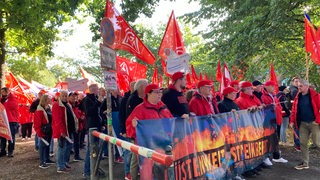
(163, 159)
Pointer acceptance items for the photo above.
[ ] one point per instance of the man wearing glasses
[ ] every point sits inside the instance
(200, 104)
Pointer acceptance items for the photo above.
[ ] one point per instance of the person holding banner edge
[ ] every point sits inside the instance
(10, 103)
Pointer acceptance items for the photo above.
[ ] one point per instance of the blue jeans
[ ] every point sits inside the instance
(87, 159)
(127, 158)
(283, 129)
(36, 142)
(51, 145)
(44, 151)
(296, 140)
(63, 153)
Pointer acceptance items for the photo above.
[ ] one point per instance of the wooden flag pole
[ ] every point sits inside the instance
(307, 67)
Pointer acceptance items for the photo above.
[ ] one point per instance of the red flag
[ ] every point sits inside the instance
(273, 77)
(200, 76)
(218, 73)
(88, 76)
(117, 34)
(205, 76)
(312, 40)
(160, 81)
(226, 78)
(194, 75)
(128, 71)
(13, 84)
(155, 76)
(172, 39)
(189, 82)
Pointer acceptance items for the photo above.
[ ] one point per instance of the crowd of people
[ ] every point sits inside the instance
(68, 116)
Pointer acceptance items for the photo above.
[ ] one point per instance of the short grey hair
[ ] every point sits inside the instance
(139, 83)
(91, 87)
(304, 82)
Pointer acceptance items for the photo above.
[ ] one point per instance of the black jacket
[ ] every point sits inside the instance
(283, 102)
(122, 112)
(91, 107)
(227, 105)
(133, 101)
(176, 102)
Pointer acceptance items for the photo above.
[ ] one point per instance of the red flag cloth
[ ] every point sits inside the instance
(273, 77)
(226, 78)
(172, 39)
(205, 76)
(13, 84)
(4, 124)
(160, 81)
(155, 76)
(194, 75)
(88, 76)
(200, 76)
(312, 40)
(218, 73)
(128, 71)
(189, 82)
(118, 34)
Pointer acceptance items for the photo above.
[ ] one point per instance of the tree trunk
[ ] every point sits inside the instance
(2, 55)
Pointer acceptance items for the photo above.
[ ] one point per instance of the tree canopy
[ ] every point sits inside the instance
(29, 28)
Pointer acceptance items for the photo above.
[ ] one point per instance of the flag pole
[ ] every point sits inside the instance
(307, 67)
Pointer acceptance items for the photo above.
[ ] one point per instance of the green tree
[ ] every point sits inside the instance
(30, 27)
(254, 34)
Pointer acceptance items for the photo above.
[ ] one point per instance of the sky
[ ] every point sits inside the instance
(71, 46)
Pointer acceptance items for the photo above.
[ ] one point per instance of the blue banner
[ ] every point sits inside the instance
(208, 147)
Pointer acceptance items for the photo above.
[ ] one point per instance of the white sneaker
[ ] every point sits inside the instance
(280, 160)
(267, 162)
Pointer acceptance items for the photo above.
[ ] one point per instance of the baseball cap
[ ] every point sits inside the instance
(205, 83)
(228, 90)
(177, 75)
(151, 87)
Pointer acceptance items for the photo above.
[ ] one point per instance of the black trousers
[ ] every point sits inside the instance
(26, 130)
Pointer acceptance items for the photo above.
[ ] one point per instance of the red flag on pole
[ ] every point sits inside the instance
(312, 40)
(13, 84)
(128, 71)
(160, 81)
(117, 34)
(218, 73)
(155, 76)
(194, 75)
(172, 39)
(226, 78)
(273, 77)
(205, 76)
(200, 76)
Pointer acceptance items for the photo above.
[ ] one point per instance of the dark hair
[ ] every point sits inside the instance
(5, 89)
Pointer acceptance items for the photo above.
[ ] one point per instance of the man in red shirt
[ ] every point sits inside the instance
(200, 104)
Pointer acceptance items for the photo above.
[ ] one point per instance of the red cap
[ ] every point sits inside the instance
(177, 75)
(228, 90)
(151, 87)
(204, 83)
(57, 94)
(270, 83)
(246, 84)
(42, 91)
(234, 83)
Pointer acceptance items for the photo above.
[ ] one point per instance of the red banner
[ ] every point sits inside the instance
(4, 124)
(117, 34)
